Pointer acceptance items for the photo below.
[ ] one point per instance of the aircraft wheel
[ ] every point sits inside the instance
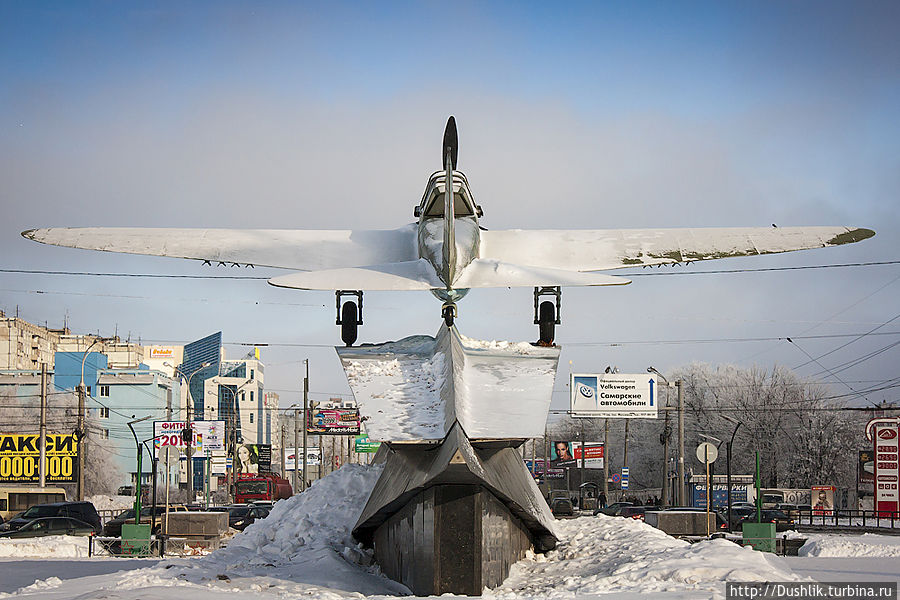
(449, 314)
(546, 323)
(349, 323)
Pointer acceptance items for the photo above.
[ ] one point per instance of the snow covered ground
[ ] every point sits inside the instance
(304, 549)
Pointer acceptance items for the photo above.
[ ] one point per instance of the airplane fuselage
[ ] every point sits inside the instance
(457, 227)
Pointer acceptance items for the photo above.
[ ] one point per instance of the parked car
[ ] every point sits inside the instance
(562, 506)
(791, 510)
(781, 520)
(242, 515)
(738, 514)
(613, 509)
(82, 511)
(51, 526)
(113, 527)
(635, 512)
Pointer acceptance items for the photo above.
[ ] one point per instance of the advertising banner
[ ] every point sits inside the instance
(613, 396)
(866, 467)
(719, 494)
(20, 457)
(253, 458)
(333, 421)
(822, 499)
(208, 435)
(313, 457)
(538, 470)
(363, 445)
(593, 454)
(561, 455)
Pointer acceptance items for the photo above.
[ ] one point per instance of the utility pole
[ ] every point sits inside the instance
(43, 463)
(305, 418)
(680, 488)
(296, 449)
(283, 455)
(606, 459)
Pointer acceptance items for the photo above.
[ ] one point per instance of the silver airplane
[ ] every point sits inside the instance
(447, 252)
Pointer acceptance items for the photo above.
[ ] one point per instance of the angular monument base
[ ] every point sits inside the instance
(451, 538)
(454, 517)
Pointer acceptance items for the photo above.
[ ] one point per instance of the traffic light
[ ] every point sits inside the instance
(187, 435)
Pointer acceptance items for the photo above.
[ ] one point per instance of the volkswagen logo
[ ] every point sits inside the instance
(585, 390)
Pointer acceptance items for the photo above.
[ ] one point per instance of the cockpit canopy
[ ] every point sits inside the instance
(432, 204)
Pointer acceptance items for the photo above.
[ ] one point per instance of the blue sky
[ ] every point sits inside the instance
(329, 115)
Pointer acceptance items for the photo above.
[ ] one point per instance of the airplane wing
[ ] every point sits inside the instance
(602, 249)
(301, 250)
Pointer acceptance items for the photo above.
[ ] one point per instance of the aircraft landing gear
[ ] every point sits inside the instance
(449, 313)
(349, 316)
(546, 315)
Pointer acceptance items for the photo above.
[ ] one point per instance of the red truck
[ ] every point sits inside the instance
(254, 487)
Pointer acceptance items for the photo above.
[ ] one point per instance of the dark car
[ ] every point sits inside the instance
(82, 511)
(738, 514)
(562, 506)
(614, 509)
(635, 512)
(781, 520)
(51, 526)
(240, 516)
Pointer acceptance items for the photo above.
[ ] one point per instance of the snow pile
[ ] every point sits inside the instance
(867, 545)
(303, 548)
(610, 554)
(516, 347)
(103, 502)
(51, 546)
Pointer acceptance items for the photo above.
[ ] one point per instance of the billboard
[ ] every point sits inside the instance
(20, 457)
(333, 421)
(253, 458)
(313, 457)
(208, 435)
(537, 470)
(822, 499)
(613, 396)
(866, 467)
(363, 445)
(568, 454)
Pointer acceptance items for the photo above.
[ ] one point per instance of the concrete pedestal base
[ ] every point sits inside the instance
(453, 517)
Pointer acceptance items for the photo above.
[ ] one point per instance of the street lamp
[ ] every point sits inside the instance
(232, 438)
(297, 408)
(678, 384)
(728, 459)
(137, 495)
(189, 442)
(79, 428)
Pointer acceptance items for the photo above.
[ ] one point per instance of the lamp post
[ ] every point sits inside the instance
(232, 438)
(678, 384)
(189, 450)
(79, 428)
(305, 420)
(137, 495)
(728, 460)
(294, 478)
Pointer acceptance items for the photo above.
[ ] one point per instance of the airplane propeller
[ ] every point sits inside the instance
(451, 143)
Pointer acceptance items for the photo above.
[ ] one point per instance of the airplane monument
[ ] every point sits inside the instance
(455, 505)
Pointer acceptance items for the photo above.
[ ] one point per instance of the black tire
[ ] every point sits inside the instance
(448, 316)
(349, 325)
(546, 323)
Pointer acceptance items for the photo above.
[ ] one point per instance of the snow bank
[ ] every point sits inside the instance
(52, 546)
(609, 554)
(868, 544)
(303, 548)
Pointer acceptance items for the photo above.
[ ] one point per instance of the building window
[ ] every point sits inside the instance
(251, 373)
(104, 391)
(104, 412)
(251, 416)
(104, 433)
